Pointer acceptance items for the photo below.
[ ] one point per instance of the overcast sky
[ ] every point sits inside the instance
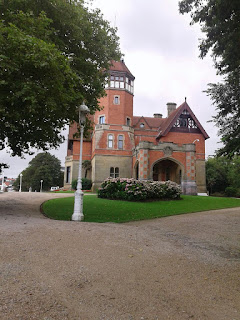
(161, 50)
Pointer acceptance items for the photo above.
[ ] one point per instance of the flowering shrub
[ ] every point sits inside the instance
(136, 190)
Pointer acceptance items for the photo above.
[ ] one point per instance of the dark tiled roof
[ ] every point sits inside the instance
(120, 66)
(150, 121)
(164, 125)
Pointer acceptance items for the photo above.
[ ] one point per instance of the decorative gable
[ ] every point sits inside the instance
(185, 122)
(182, 120)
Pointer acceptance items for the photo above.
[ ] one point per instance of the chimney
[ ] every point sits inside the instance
(171, 106)
(157, 115)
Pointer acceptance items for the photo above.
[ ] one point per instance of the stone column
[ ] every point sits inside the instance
(189, 185)
(143, 160)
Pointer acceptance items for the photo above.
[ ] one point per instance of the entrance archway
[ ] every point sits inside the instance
(167, 169)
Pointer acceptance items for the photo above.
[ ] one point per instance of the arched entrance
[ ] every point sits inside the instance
(167, 169)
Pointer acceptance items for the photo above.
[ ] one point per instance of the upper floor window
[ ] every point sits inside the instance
(128, 121)
(110, 141)
(142, 125)
(120, 141)
(121, 82)
(101, 119)
(116, 100)
(114, 172)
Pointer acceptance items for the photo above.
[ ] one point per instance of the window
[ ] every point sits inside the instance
(110, 141)
(120, 141)
(68, 171)
(116, 100)
(114, 172)
(128, 121)
(116, 82)
(101, 119)
(142, 125)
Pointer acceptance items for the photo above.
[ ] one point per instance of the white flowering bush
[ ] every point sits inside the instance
(136, 190)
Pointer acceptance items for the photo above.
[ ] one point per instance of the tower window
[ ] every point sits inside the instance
(110, 141)
(128, 121)
(114, 172)
(116, 100)
(120, 141)
(101, 119)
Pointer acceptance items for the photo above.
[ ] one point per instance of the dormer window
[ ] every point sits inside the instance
(142, 125)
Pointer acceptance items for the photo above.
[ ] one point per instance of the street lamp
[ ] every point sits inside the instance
(195, 140)
(78, 200)
(41, 185)
(20, 189)
(2, 186)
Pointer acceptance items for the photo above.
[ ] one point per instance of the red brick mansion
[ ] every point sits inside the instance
(124, 145)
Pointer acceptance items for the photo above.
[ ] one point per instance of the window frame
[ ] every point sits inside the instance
(110, 141)
(120, 141)
(116, 97)
(99, 119)
(114, 172)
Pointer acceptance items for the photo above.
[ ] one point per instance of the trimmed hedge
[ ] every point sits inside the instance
(86, 184)
(136, 190)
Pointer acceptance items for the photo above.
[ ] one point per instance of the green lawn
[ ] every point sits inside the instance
(102, 210)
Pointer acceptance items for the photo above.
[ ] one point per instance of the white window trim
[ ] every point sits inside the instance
(123, 141)
(102, 115)
(110, 134)
(116, 96)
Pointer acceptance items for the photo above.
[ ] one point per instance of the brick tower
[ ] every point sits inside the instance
(113, 137)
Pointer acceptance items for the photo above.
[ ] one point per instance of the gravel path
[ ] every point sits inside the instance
(179, 267)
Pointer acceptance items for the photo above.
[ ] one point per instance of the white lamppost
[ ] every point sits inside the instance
(78, 200)
(20, 188)
(2, 186)
(41, 185)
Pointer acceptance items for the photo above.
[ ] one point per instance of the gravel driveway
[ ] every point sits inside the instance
(179, 267)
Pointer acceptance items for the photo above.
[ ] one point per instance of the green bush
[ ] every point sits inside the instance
(135, 190)
(86, 184)
(231, 192)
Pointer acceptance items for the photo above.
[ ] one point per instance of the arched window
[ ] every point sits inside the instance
(114, 172)
(142, 125)
(120, 141)
(116, 100)
(110, 141)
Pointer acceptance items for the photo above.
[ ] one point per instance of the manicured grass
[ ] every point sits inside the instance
(103, 210)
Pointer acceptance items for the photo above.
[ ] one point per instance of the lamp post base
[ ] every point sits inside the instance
(78, 206)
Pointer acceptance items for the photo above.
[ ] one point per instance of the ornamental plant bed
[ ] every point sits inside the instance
(136, 190)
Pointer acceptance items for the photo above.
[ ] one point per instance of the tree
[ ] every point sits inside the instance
(44, 167)
(223, 175)
(217, 174)
(53, 55)
(220, 21)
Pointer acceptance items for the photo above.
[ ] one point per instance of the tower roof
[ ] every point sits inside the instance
(120, 66)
